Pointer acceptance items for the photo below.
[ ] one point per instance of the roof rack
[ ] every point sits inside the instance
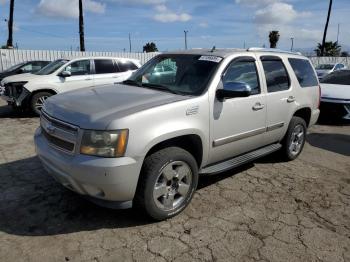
(262, 49)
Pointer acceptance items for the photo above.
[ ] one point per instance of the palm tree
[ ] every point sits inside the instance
(274, 36)
(81, 26)
(10, 25)
(326, 28)
(150, 47)
(328, 49)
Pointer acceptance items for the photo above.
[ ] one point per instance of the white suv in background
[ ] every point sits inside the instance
(31, 90)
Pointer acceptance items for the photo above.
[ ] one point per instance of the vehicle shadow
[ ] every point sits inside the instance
(8, 112)
(337, 143)
(34, 204)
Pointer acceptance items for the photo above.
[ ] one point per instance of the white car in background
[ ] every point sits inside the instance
(335, 99)
(325, 69)
(31, 90)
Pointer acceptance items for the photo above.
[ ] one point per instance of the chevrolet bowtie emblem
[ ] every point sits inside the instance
(50, 129)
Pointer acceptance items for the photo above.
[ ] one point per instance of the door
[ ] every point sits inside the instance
(238, 124)
(106, 72)
(80, 76)
(280, 97)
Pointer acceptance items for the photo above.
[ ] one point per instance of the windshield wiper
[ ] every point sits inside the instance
(160, 87)
(132, 82)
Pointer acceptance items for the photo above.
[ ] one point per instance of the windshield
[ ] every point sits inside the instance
(180, 74)
(337, 78)
(52, 67)
(12, 68)
(325, 67)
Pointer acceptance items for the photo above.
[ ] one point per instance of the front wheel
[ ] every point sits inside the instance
(38, 100)
(168, 181)
(293, 142)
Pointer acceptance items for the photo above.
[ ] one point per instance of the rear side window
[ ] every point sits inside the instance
(277, 78)
(105, 66)
(304, 72)
(126, 66)
(337, 78)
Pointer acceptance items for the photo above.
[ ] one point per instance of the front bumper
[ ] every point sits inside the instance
(335, 108)
(108, 181)
(13, 100)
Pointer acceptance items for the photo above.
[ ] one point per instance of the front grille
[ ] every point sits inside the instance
(59, 124)
(59, 134)
(58, 142)
(334, 110)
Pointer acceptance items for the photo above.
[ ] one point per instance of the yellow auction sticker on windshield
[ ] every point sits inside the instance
(211, 58)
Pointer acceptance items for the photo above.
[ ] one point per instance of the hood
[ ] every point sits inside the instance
(20, 78)
(335, 91)
(96, 107)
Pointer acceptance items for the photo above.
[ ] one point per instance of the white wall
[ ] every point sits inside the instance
(10, 57)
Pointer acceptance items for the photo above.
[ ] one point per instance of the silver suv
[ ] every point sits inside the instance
(147, 141)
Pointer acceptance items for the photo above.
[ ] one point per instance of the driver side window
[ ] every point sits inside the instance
(79, 68)
(243, 72)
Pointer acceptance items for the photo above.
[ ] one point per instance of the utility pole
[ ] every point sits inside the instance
(129, 43)
(291, 48)
(10, 25)
(81, 26)
(338, 33)
(326, 27)
(186, 31)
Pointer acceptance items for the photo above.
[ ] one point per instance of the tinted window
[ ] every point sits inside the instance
(105, 66)
(337, 78)
(243, 72)
(304, 72)
(52, 67)
(276, 76)
(126, 66)
(79, 68)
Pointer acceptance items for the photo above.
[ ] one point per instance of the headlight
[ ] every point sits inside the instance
(104, 143)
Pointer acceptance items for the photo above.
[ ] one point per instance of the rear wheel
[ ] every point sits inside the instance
(294, 141)
(38, 100)
(167, 184)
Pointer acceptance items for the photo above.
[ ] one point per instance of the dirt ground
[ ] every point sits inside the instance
(265, 211)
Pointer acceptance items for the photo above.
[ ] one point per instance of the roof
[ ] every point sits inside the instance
(98, 57)
(225, 52)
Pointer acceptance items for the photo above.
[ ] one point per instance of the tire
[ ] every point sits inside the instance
(37, 101)
(169, 178)
(294, 140)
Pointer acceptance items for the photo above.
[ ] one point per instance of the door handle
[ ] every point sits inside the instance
(88, 79)
(258, 106)
(291, 99)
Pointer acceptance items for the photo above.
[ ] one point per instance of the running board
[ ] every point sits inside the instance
(240, 160)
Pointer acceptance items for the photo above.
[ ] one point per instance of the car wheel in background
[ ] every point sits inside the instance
(38, 100)
(169, 178)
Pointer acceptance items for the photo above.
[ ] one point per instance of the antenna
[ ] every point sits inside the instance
(213, 49)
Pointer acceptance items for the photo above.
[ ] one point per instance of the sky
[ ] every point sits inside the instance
(53, 24)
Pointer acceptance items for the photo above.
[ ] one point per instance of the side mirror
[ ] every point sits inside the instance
(20, 71)
(233, 89)
(65, 74)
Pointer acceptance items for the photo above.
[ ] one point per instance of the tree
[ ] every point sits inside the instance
(274, 36)
(150, 47)
(325, 29)
(10, 25)
(81, 26)
(329, 49)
